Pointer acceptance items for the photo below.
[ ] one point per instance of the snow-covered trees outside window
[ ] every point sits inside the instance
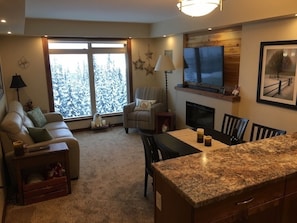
(89, 82)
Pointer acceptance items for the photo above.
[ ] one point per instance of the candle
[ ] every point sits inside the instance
(18, 147)
(207, 140)
(200, 135)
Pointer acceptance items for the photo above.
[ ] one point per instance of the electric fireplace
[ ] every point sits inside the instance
(199, 116)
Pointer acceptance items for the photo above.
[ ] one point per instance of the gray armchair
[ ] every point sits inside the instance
(144, 118)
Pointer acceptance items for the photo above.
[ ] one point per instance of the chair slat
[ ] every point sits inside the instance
(262, 132)
(231, 122)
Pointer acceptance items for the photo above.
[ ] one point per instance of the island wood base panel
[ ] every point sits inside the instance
(252, 182)
(273, 202)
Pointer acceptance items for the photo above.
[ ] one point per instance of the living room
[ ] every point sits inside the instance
(252, 34)
(256, 27)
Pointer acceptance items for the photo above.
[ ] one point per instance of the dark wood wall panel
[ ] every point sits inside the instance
(231, 40)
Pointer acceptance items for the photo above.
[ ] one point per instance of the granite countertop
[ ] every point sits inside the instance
(204, 178)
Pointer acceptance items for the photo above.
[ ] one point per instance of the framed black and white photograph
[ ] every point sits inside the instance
(277, 74)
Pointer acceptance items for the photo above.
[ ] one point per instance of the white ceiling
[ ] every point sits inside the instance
(139, 11)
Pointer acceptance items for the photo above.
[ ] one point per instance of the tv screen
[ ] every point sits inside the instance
(204, 66)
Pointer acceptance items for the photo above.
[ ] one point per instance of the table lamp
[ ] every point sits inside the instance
(17, 82)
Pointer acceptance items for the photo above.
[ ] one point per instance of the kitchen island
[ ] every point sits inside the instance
(249, 182)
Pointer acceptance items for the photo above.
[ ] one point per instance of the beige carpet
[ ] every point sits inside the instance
(110, 187)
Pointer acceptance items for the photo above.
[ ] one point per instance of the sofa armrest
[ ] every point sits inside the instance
(53, 117)
(54, 140)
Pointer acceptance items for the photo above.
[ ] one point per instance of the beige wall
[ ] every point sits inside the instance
(142, 78)
(67, 28)
(13, 48)
(252, 35)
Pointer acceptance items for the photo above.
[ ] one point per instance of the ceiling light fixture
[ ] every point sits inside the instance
(197, 8)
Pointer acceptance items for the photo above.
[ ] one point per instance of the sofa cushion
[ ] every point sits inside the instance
(60, 133)
(39, 134)
(12, 123)
(16, 106)
(27, 121)
(55, 125)
(37, 117)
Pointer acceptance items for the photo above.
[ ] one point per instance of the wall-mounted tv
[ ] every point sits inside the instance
(204, 66)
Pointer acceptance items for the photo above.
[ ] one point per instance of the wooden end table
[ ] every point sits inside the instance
(167, 118)
(39, 160)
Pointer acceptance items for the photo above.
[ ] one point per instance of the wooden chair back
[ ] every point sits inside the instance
(261, 132)
(232, 124)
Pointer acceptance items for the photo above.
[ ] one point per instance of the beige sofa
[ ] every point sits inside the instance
(15, 125)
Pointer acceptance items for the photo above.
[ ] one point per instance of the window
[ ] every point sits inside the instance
(88, 77)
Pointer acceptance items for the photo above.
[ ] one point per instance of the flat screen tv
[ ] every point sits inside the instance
(204, 66)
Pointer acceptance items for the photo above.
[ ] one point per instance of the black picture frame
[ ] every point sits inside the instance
(277, 74)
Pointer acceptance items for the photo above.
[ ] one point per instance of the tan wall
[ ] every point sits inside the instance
(143, 78)
(67, 28)
(13, 48)
(252, 35)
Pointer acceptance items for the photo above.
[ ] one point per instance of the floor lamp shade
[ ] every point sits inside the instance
(17, 82)
(165, 64)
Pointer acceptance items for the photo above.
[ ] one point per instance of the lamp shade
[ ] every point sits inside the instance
(17, 82)
(198, 7)
(164, 63)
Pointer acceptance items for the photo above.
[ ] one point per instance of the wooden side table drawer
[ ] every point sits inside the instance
(44, 190)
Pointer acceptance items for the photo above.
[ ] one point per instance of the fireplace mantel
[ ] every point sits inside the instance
(229, 98)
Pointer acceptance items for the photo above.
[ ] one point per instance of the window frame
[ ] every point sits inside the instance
(97, 40)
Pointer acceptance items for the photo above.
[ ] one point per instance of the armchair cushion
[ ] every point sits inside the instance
(37, 117)
(143, 105)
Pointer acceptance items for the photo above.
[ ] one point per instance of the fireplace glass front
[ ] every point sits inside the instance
(199, 116)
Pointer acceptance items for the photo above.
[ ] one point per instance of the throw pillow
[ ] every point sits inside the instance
(143, 105)
(39, 134)
(37, 117)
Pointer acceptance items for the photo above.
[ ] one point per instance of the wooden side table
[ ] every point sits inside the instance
(165, 118)
(39, 161)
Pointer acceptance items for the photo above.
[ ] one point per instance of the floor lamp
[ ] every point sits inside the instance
(17, 82)
(165, 64)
